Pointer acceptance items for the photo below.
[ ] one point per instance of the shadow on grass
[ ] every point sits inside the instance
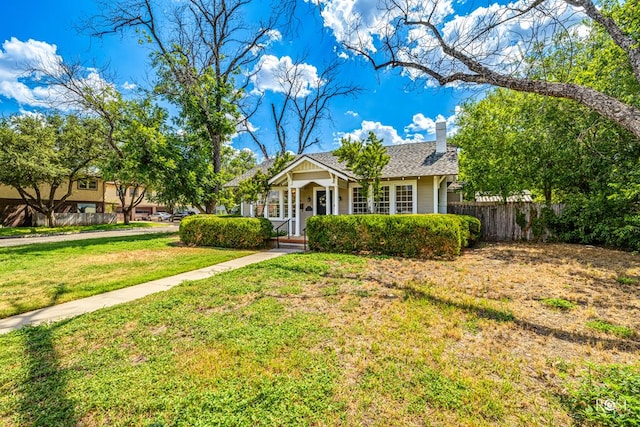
(621, 344)
(503, 316)
(43, 396)
(34, 248)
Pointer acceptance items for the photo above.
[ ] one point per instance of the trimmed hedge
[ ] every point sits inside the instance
(225, 231)
(414, 236)
(470, 227)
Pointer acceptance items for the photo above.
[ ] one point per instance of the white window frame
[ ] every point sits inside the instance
(282, 206)
(392, 194)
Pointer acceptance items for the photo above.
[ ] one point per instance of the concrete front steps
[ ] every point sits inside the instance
(290, 242)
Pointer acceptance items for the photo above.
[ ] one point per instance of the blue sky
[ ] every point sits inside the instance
(391, 104)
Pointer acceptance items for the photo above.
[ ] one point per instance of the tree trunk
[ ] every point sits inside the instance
(51, 219)
(126, 214)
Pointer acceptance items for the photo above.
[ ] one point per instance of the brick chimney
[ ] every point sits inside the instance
(441, 136)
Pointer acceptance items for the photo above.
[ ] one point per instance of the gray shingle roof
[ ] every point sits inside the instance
(407, 160)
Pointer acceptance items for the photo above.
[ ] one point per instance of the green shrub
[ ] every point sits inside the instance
(414, 236)
(470, 228)
(225, 232)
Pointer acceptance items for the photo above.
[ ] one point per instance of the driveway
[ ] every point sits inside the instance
(17, 241)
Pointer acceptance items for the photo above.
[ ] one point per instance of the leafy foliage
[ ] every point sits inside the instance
(43, 156)
(432, 236)
(225, 232)
(366, 159)
(256, 188)
(189, 179)
(138, 152)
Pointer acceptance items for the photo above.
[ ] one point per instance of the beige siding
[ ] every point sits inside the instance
(310, 175)
(344, 203)
(78, 195)
(425, 195)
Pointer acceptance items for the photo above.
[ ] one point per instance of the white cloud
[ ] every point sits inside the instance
(17, 60)
(352, 113)
(422, 125)
(129, 86)
(493, 33)
(274, 35)
(20, 80)
(387, 133)
(279, 74)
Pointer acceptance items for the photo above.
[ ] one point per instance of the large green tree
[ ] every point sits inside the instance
(512, 141)
(189, 180)
(366, 159)
(203, 51)
(43, 157)
(139, 156)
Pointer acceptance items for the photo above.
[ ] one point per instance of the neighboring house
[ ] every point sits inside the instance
(415, 181)
(88, 197)
(491, 199)
(140, 212)
(91, 195)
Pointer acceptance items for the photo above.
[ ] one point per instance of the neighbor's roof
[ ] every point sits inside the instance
(525, 197)
(406, 160)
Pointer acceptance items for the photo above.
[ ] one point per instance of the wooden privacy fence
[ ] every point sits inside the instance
(63, 219)
(503, 221)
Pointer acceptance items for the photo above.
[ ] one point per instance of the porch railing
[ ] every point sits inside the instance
(304, 233)
(278, 232)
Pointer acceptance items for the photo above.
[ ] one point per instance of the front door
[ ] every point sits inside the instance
(321, 202)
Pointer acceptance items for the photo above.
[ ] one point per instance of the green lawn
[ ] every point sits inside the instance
(25, 231)
(318, 339)
(39, 275)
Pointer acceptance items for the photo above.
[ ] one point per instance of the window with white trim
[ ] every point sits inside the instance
(360, 202)
(384, 202)
(273, 204)
(404, 199)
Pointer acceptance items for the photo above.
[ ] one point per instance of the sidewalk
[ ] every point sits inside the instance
(96, 302)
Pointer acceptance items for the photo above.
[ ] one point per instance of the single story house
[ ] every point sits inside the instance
(415, 181)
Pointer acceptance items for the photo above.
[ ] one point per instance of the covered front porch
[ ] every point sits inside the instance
(305, 189)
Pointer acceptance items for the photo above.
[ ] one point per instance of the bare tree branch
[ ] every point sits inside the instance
(413, 38)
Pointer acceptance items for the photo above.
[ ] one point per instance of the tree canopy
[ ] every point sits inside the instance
(43, 157)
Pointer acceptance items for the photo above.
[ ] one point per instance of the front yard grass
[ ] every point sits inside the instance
(322, 339)
(44, 274)
(26, 231)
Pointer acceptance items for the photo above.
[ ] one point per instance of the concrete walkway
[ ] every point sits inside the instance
(26, 240)
(108, 299)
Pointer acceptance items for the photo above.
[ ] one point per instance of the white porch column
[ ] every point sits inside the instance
(442, 206)
(336, 200)
(251, 209)
(436, 186)
(328, 199)
(298, 211)
(289, 209)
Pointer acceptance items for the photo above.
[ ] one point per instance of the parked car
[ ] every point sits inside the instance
(160, 216)
(181, 214)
